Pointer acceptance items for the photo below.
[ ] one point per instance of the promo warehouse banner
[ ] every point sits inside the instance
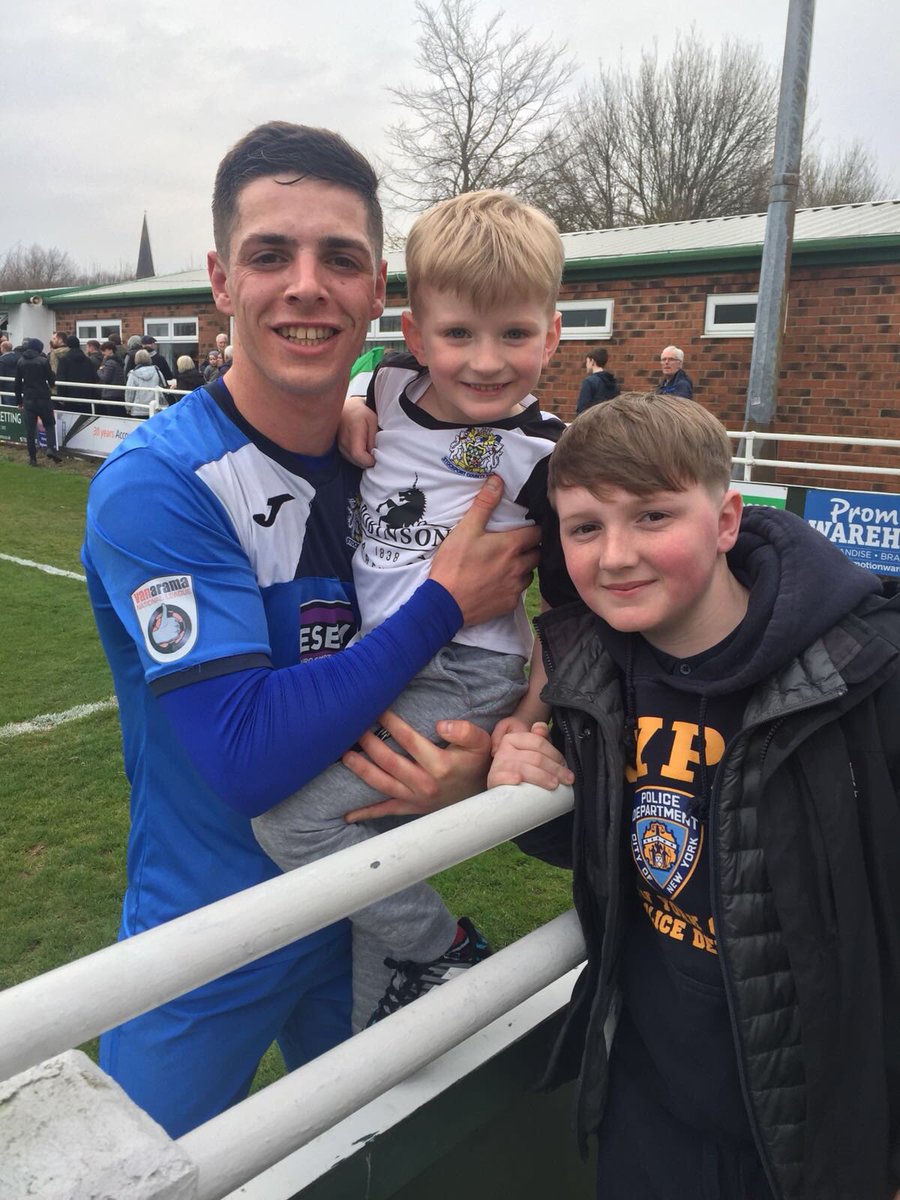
(864, 525)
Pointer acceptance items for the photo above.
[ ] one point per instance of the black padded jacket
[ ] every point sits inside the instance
(804, 843)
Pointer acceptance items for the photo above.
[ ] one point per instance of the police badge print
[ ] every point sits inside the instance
(666, 839)
(166, 609)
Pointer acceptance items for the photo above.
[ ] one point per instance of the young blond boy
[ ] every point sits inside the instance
(483, 272)
(727, 693)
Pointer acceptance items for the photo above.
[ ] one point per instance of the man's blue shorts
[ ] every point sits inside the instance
(192, 1058)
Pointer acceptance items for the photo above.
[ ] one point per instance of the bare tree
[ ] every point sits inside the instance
(673, 141)
(24, 267)
(850, 176)
(35, 266)
(488, 110)
(682, 140)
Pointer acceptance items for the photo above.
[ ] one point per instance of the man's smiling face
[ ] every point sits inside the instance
(303, 284)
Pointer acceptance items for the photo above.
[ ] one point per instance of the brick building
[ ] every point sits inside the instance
(691, 283)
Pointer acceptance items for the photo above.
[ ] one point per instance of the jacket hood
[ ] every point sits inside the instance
(800, 586)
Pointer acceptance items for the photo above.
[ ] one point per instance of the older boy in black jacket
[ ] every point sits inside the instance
(728, 697)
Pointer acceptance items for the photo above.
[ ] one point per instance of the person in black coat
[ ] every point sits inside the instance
(75, 369)
(34, 379)
(9, 360)
(600, 384)
(187, 377)
(148, 343)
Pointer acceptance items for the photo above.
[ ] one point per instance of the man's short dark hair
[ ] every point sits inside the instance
(281, 148)
(72, 342)
(598, 355)
(108, 346)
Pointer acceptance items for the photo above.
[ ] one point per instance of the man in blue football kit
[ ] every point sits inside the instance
(224, 601)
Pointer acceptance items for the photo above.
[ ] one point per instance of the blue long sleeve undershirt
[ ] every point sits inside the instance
(255, 736)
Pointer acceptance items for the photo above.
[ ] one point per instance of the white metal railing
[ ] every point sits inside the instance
(236, 1146)
(64, 1007)
(747, 458)
(8, 394)
(58, 1010)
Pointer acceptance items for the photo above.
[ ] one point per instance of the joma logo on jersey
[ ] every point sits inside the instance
(275, 503)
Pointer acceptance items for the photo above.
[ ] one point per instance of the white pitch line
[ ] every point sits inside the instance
(50, 720)
(26, 562)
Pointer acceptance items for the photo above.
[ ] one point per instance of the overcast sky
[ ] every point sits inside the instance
(110, 110)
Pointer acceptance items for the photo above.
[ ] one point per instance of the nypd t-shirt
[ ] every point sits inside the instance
(674, 993)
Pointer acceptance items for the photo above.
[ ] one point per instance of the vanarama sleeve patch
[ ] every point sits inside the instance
(166, 610)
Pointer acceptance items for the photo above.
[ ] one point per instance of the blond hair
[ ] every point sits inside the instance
(642, 442)
(486, 246)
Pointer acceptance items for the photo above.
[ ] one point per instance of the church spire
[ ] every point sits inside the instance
(145, 254)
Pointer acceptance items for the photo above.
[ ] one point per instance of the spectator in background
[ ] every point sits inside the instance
(221, 344)
(139, 402)
(213, 368)
(9, 360)
(675, 381)
(118, 348)
(134, 344)
(149, 344)
(58, 350)
(600, 384)
(187, 377)
(76, 369)
(94, 353)
(34, 380)
(112, 374)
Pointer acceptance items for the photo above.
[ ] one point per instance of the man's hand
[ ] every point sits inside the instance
(486, 573)
(356, 432)
(529, 758)
(431, 778)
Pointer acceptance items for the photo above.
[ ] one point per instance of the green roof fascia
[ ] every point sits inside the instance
(820, 252)
(44, 293)
(86, 299)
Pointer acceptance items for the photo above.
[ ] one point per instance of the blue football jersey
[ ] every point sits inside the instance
(209, 550)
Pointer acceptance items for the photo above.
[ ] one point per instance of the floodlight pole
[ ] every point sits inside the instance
(762, 387)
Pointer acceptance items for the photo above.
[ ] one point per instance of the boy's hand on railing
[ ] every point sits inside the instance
(502, 728)
(356, 432)
(528, 757)
(430, 778)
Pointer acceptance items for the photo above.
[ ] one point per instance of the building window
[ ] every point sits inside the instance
(731, 316)
(586, 320)
(386, 328)
(174, 336)
(96, 331)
